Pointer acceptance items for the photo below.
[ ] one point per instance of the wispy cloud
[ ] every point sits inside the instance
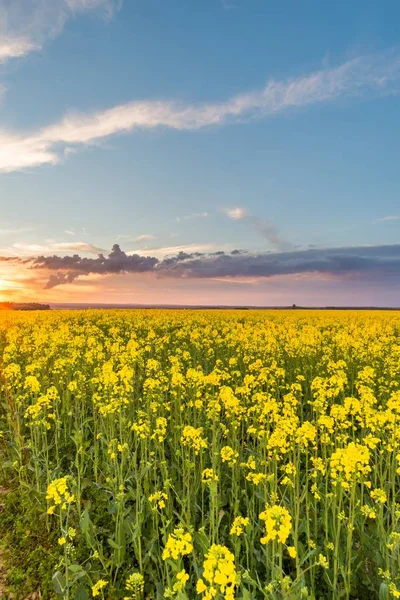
(26, 25)
(237, 213)
(370, 263)
(15, 47)
(163, 251)
(191, 216)
(264, 227)
(12, 230)
(34, 249)
(145, 237)
(389, 218)
(368, 75)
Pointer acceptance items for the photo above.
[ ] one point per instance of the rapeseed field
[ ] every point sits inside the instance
(210, 455)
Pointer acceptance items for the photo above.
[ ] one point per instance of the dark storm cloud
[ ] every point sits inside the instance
(371, 262)
(15, 259)
(334, 261)
(71, 267)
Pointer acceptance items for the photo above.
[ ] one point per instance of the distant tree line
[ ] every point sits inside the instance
(23, 306)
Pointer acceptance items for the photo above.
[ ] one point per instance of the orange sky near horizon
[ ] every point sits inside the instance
(22, 283)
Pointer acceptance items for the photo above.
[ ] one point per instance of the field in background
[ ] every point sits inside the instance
(202, 454)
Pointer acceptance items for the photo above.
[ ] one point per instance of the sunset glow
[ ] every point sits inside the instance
(199, 299)
(148, 158)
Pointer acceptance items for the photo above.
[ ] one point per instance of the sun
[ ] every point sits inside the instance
(7, 287)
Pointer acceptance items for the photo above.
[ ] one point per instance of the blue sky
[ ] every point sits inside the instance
(167, 126)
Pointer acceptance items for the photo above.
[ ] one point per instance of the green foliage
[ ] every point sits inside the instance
(124, 432)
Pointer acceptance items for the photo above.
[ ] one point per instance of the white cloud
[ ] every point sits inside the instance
(29, 249)
(140, 238)
(25, 25)
(15, 47)
(237, 213)
(144, 238)
(199, 215)
(264, 227)
(374, 75)
(163, 251)
(389, 218)
(12, 230)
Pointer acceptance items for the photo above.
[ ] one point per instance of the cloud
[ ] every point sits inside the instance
(25, 25)
(11, 259)
(389, 218)
(162, 251)
(144, 238)
(264, 227)
(376, 75)
(57, 247)
(10, 230)
(71, 267)
(371, 263)
(198, 215)
(237, 213)
(15, 47)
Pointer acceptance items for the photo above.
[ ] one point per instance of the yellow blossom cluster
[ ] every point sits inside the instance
(179, 543)
(170, 425)
(219, 574)
(58, 494)
(278, 524)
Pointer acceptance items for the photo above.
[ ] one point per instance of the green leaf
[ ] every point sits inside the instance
(202, 540)
(81, 594)
(383, 591)
(74, 568)
(59, 583)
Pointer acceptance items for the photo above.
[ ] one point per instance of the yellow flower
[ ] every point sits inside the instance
(229, 455)
(278, 524)
(238, 525)
(256, 478)
(192, 438)
(292, 551)
(97, 587)
(209, 476)
(393, 590)
(62, 541)
(368, 511)
(182, 578)
(379, 496)
(201, 586)
(178, 544)
(350, 463)
(57, 492)
(157, 500)
(323, 561)
(219, 574)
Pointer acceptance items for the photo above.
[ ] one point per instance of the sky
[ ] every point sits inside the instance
(236, 152)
